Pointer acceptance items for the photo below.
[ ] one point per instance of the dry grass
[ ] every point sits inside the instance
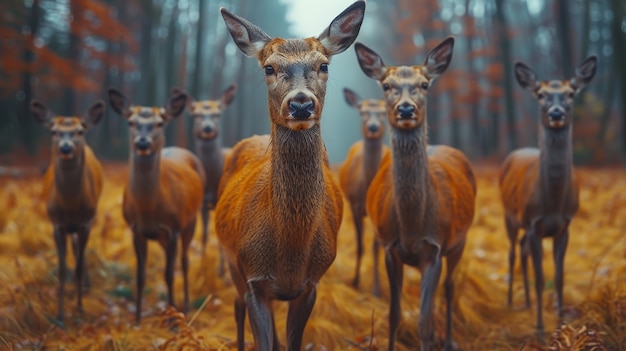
(343, 319)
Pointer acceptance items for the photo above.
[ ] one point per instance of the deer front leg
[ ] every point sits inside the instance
(61, 245)
(260, 312)
(394, 266)
(524, 249)
(170, 256)
(298, 315)
(376, 279)
(536, 252)
(511, 231)
(79, 244)
(141, 252)
(357, 217)
(430, 266)
(559, 248)
(205, 222)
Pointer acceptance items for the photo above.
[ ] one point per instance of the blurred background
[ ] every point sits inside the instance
(67, 53)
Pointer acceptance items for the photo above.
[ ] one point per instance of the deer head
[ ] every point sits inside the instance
(373, 114)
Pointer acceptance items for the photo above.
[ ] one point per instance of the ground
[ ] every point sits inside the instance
(343, 318)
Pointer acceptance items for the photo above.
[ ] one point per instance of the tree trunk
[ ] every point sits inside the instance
(196, 80)
(563, 30)
(73, 55)
(26, 123)
(142, 93)
(619, 57)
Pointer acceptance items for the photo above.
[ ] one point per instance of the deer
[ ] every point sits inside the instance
(421, 201)
(164, 190)
(206, 116)
(72, 185)
(538, 186)
(280, 207)
(358, 169)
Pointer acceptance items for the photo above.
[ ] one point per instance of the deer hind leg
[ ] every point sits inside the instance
(357, 217)
(261, 316)
(171, 249)
(298, 315)
(79, 242)
(205, 222)
(61, 245)
(186, 237)
(394, 266)
(376, 282)
(511, 231)
(536, 252)
(240, 306)
(524, 250)
(559, 248)
(452, 261)
(141, 252)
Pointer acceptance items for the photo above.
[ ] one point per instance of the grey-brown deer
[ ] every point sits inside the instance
(358, 170)
(206, 116)
(539, 188)
(421, 200)
(279, 207)
(164, 190)
(72, 186)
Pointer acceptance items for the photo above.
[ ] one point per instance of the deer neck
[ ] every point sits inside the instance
(555, 165)
(372, 153)
(210, 153)
(143, 181)
(297, 177)
(411, 182)
(69, 175)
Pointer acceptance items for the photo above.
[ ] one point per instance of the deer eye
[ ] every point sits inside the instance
(540, 96)
(159, 125)
(131, 124)
(324, 67)
(386, 87)
(425, 85)
(80, 132)
(571, 95)
(269, 70)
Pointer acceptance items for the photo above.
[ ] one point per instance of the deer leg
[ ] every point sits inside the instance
(511, 231)
(260, 313)
(205, 223)
(394, 267)
(240, 306)
(79, 244)
(559, 248)
(141, 252)
(376, 282)
(452, 261)
(170, 257)
(298, 315)
(357, 217)
(534, 241)
(61, 245)
(186, 237)
(523, 248)
(430, 266)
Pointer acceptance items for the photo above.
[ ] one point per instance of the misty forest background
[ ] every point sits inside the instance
(67, 53)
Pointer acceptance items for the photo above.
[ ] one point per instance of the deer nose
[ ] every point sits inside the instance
(373, 128)
(556, 114)
(65, 149)
(301, 106)
(142, 144)
(207, 129)
(406, 111)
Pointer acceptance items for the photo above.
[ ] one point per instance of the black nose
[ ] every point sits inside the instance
(207, 129)
(65, 149)
(142, 144)
(301, 106)
(406, 111)
(556, 115)
(373, 128)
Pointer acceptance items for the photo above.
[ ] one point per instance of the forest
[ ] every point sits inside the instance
(70, 55)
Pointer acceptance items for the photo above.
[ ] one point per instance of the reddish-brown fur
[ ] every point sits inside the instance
(360, 166)
(164, 190)
(421, 201)
(71, 188)
(539, 187)
(279, 207)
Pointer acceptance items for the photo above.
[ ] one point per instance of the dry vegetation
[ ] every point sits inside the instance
(343, 319)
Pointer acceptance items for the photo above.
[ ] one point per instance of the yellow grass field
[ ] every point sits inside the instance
(343, 318)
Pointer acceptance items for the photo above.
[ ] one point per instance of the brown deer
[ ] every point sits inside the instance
(71, 188)
(421, 200)
(539, 188)
(164, 190)
(358, 170)
(206, 116)
(279, 207)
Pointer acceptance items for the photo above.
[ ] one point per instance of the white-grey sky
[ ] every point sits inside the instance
(309, 18)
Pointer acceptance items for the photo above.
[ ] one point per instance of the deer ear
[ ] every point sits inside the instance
(119, 103)
(526, 77)
(371, 63)
(249, 38)
(344, 29)
(94, 114)
(176, 105)
(584, 73)
(228, 95)
(40, 112)
(438, 59)
(351, 97)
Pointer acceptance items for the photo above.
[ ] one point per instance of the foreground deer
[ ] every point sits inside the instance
(538, 186)
(279, 207)
(71, 188)
(360, 166)
(206, 115)
(164, 189)
(421, 201)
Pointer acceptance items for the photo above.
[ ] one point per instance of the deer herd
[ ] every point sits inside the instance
(278, 205)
